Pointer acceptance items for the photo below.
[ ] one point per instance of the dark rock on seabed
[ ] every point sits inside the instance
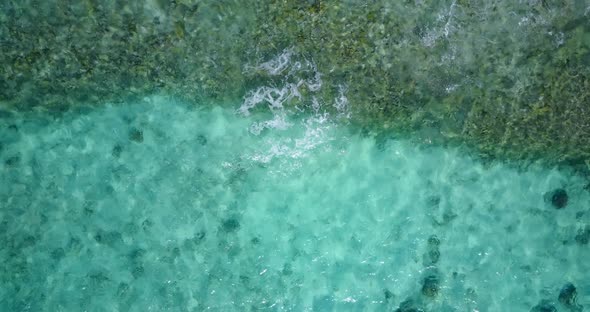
(544, 306)
(558, 198)
(230, 225)
(408, 305)
(136, 135)
(567, 295)
(431, 286)
(583, 236)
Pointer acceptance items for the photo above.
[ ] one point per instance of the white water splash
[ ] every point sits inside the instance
(287, 103)
(316, 134)
(277, 65)
(341, 102)
(278, 122)
(274, 97)
(430, 38)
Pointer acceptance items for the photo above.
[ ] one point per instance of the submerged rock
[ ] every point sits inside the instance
(287, 269)
(408, 305)
(147, 224)
(432, 254)
(122, 290)
(583, 236)
(230, 225)
(137, 271)
(544, 306)
(202, 139)
(196, 240)
(558, 198)
(137, 255)
(136, 135)
(58, 254)
(431, 286)
(12, 162)
(109, 238)
(388, 294)
(200, 235)
(117, 150)
(567, 295)
(433, 241)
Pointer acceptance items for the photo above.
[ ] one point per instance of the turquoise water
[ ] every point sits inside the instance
(158, 205)
(188, 155)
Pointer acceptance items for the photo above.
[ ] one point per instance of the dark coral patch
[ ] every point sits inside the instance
(558, 198)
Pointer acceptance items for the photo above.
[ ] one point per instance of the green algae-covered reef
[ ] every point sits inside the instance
(509, 78)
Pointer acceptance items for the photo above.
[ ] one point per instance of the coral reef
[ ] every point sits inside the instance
(508, 78)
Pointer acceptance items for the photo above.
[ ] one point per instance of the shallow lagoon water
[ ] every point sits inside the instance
(161, 206)
(243, 181)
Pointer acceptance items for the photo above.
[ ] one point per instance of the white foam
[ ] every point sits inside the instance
(341, 102)
(276, 65)
(308, 129)
(274, 97)
(314, 84)
(278, 122)
(315, 105)
(277, 96)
